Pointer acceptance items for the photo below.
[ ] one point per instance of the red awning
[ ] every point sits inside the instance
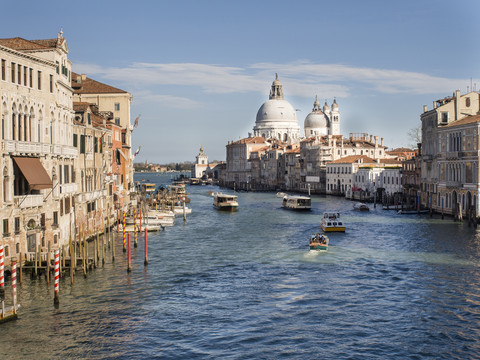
(34, 172)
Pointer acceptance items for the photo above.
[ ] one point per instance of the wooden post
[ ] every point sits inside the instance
(95, 251)
(113, 247)
(123, 230)
(98, 247)
(36, 260)
(146, 247)
(103, 247)
(20, 277)
(39, 257)
(72, 257)
(84, 252)
(184, 211)
(129, 261)
(135, 227)
(48, 263)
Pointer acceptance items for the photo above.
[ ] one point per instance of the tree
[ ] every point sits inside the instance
(415, 136)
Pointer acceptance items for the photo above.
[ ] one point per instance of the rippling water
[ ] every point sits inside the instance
(243, 285)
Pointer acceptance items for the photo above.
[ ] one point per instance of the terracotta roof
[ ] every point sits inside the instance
(19, 44)
(353, 159)
(400, 150)
(90, 86)
(467, 120)
(293, 151)
(249, 140)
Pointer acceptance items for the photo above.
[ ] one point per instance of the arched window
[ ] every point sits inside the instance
(5, 185)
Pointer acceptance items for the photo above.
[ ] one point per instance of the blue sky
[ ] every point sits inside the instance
(199, 70)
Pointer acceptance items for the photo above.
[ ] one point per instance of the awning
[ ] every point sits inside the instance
(34, 172)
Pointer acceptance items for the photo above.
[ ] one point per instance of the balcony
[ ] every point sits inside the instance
(68, 188)
(27, 201)
(451, 155)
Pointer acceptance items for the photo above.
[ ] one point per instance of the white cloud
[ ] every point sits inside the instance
(142, 97)
(301, 78)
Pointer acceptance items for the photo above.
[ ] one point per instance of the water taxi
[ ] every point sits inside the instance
(361, 207)
(295, 202)
(331, 222)
(225, 202)
(318, 242)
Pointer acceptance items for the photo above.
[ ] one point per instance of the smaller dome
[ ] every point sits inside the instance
(315, 120)
(326, 107)
(334, 105)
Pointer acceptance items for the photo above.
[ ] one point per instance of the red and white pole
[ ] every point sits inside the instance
(57, 277)
(2, 272)
(14, 284)
(129, 266)
(146, 247)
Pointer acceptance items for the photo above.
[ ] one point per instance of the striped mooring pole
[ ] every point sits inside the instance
(56, 301)
(124, 244)
(146, 247)
(129, 266)
(14, 284)
(2, 273)
(135, 227)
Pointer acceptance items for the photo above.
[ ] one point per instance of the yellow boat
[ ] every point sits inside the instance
(331, 222)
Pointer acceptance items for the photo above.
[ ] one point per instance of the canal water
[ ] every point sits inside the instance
(244, 285)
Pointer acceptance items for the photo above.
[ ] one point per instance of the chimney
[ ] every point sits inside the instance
(457, 104)
(376, 141)
(434, 104)
(425, 108)
(83, 77)
(371, 138)
(381, 141)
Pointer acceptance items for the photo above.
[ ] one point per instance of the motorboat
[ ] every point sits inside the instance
(361, 207)
(225, 201)
(318, 242)
(280, 194)
(295, 202)
(331, 222)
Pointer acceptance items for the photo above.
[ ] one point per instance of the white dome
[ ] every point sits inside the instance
(315, 120)
(275, 110)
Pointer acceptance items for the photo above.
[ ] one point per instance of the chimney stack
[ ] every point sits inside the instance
(425, 108)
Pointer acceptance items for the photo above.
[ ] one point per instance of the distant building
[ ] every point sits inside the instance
(200, 166)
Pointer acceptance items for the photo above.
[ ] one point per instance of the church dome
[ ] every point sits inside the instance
(276, 110)
(316, 123)
(276, 117)
(315, 120)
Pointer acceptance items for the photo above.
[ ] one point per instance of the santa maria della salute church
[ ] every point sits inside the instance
(279, 156)
(277, 119)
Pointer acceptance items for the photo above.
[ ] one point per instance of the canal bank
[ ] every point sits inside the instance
(244, 285)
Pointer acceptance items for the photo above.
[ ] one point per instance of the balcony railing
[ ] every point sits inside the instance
(26, 201)
(68, 188)
(38, 149)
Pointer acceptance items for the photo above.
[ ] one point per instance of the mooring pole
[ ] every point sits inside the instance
(135, 227)
(2, 273)
(129, 266)
(14, 284)
(146, 247)
(124, 244)
(56, 301)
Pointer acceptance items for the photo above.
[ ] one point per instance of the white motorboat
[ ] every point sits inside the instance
(295, 202)
(225, 202)
(361, 207)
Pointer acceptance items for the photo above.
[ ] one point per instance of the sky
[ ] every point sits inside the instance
(199, 71)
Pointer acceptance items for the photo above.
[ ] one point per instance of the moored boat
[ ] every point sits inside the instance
(331, 222)
(318, 242)
(295, 202)
(225, 201)
(361, 207)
